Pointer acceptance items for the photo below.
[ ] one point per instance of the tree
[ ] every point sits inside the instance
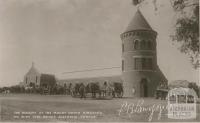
(194, 86)
(186, 31)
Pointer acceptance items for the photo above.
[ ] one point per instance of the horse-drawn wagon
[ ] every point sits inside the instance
(96, 90)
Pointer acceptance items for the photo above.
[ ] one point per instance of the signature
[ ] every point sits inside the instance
(131, 108)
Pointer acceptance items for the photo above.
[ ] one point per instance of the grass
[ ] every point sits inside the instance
(27, 103)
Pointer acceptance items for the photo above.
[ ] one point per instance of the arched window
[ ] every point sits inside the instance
(136, 44)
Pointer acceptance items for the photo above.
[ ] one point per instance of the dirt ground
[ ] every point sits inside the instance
(28, 107)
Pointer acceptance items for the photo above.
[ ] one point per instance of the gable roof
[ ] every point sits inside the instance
(32, 70)
(138, 23)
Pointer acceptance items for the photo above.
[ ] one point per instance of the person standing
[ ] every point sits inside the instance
(104, 88)
(82, 91)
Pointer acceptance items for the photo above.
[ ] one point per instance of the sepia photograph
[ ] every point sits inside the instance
(99, 61)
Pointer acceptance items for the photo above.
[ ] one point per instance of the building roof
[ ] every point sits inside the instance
(33, 70)
(100, 79)
(161, 75)
(183, 91)
(138, 23)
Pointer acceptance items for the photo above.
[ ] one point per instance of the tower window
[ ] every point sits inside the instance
(122, 47)
(36, 79)
(144, 63)
(143, 44)
(122, 65)
(136, 44)
(138, 64)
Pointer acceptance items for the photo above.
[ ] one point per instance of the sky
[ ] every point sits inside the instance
(68, 35)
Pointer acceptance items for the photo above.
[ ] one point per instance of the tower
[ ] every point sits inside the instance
(140, 72)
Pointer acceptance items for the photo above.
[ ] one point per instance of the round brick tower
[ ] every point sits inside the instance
(140, 72)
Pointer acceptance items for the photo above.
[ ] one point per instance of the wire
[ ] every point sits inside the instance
(90, 70)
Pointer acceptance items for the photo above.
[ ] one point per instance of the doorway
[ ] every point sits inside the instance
(144, 88)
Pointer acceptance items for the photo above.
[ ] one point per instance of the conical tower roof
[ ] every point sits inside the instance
(138, 23)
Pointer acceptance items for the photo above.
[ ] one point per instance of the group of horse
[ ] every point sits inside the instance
(95, 90)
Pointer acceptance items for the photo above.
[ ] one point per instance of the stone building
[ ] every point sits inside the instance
(140, 71)
(33, 78)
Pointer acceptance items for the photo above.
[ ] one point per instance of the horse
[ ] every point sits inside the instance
(92, 88)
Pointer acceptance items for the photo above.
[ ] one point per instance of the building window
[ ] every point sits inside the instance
(143, 43)
(36, 79)
(122, 47)
(122, 65)
(136, 44)
(138, 64)
(143, 64)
